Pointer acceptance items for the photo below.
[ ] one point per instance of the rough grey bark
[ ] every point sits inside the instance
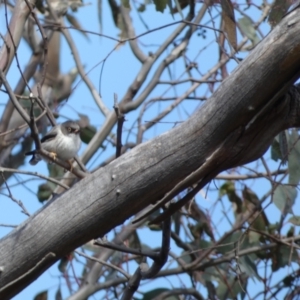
(235, 126)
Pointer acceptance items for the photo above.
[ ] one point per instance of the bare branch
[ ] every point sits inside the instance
(133, 42)
(81, 71)
(121, 120)
(18, 202)
(13, 98)
(8, 170)
(103, 263)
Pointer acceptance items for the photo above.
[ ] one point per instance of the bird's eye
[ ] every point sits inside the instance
(69, 129)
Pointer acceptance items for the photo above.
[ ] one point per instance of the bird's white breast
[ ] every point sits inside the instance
(65, 146)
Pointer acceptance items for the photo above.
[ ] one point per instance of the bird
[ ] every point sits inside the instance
(62, 141)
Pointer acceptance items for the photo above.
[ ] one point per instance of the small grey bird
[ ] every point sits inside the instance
(61, 141)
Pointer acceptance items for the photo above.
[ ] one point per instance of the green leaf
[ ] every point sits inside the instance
(228, 189)
(247, 27)
(179, 6)
(135, 243)
(229, 243)
(258, 218)
(58, 295)
(40, 6)
(99, 6)
(156, 292)
(254, 237)
(62, 266)
(118, 19)
(41, 296)
(45, 190)
(283, 144)
(154, 227)
(169, 3)
(153, 216)
(294, 157)
(236, 287)
(295, 220)
(275, 150)
(282, 256)
(284, 198)
(186, 257)
(141, 8)
(279, 9)
(125, 3)
(288, 280)
(87, 133)
(55, 171)
(248, 266)
(196, 245)
(160, 5)
(76, 24)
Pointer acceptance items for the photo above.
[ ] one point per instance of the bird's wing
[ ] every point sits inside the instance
(50, 135)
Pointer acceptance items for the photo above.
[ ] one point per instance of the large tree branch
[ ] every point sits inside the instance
(235, 126)
(14, 34)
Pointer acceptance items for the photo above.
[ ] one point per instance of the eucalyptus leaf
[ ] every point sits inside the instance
(295, 220)
(248, 266)
(160, 5)
(87, 133)
(76, 24)
(157, 292)
(294, 157)
(45, 190)
(229, 243)
(284, 198)
(179, 6)
(275, 150)
(247, 27)
(125, 3)
(63, 263)
(228, 189)
(279, 9)
(41, 296)
(283, 256)
(236, 287)
(58, 295)
(135, 243)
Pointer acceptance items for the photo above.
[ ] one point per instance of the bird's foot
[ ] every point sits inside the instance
(53, 155)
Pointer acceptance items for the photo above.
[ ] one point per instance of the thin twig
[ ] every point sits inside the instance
(18, 202)
(13, 98)
(100, 261)
(44, 40)
(82, 73)
(153, 255)
(44, 106)
(40, 263)
(8, 225)
(9, 170)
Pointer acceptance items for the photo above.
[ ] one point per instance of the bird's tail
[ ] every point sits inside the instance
(35, 158)
(30, 153)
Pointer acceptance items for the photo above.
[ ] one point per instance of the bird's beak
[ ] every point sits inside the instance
(77, 131)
